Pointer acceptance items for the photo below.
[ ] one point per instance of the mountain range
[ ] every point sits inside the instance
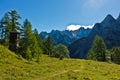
(108, 29)
(66, 37)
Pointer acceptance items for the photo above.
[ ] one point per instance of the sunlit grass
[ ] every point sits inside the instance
(13, 67)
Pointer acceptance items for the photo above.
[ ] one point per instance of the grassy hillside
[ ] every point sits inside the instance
(13, 67)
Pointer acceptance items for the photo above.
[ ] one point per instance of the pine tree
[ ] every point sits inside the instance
(98, 50)
(115, 54)
(48, 46)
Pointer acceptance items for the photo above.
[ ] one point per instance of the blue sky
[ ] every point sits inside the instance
(46, 15)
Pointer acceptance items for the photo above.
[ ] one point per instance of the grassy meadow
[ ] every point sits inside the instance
(14, 67)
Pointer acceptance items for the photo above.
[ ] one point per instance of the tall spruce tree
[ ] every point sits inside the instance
(98, 50)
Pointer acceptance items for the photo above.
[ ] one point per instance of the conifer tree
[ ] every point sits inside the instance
(25, 42)
(39, 44)
(115, 55)
(14, 17)
(98, 50)
(48, 46)
(30, 41)
(4, 29)
(35, 31)
(8, 23)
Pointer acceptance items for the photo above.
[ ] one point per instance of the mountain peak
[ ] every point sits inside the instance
(109, 16)
(65, 37)
(108, 29)
(108, 19)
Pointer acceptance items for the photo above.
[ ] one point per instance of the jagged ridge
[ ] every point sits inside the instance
(108, 29)
(66, 37)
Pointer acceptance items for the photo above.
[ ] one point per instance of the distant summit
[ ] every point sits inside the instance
(108, 29)
(108, 19)
(66, 37)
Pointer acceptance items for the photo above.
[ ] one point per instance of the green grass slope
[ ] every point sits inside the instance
(13, 67)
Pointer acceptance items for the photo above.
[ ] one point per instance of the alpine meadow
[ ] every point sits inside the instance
(35, 44)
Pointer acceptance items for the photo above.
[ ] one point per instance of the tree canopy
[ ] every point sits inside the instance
(61, 50)
(98, 49)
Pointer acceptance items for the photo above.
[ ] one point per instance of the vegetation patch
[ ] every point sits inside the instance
(14, 67)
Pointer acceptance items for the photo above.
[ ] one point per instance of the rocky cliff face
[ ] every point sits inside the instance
(108, 29)
(66, 37)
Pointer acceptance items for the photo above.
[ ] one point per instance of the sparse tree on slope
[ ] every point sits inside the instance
(98, 50)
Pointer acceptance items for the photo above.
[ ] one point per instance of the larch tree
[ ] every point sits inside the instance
(14, 17)
(8, 23)
(4, 29)
(29, 42)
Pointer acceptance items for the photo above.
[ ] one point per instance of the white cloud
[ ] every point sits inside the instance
(73, 27)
